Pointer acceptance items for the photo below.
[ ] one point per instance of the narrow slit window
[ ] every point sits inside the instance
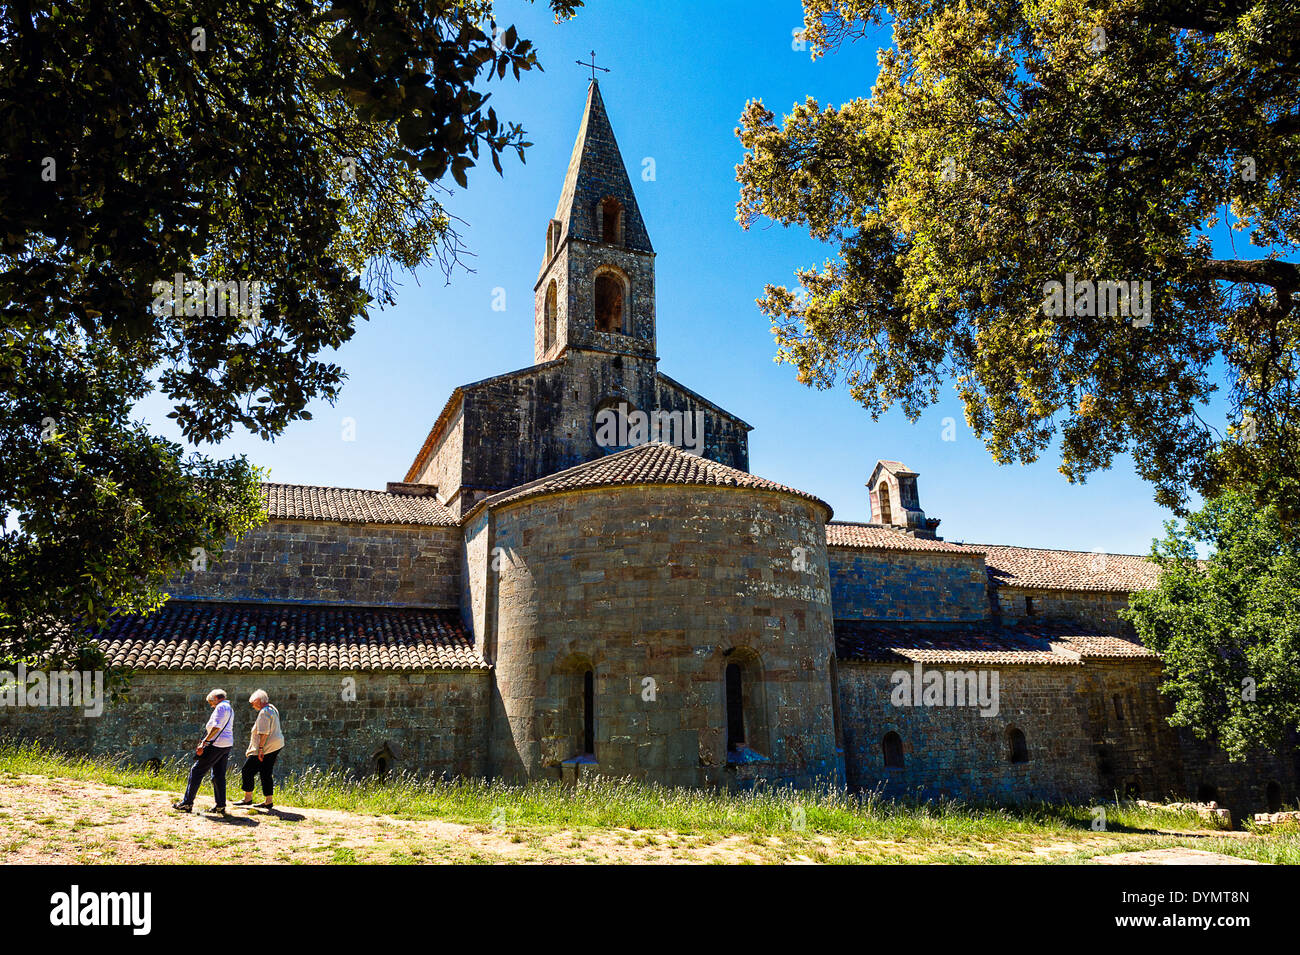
(735, 708)
(589, 712)
(550, 309)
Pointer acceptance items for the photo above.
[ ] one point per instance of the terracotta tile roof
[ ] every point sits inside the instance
(1067, 569)
(1101, 646)
(981, 644)
(881, 537)
(205, 635)
(655, 463)
(304, 502)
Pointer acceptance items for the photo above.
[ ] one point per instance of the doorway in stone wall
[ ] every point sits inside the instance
(1273, 796)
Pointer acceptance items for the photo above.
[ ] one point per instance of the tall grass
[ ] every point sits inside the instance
(622, 803)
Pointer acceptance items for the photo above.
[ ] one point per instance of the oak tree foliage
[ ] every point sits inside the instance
(1006, 146)
(307, 146)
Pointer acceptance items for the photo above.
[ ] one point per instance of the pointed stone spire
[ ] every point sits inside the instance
(596, 289)
(596, 173)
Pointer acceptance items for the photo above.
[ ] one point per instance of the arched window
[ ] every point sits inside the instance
(892, 746)
(1017, 748)
(589, 712)
(745, 707)
(1119, 708)
(609, 303)
(611, 221)
(570, 711)
(549, 310)
(735, 708)
(382, 759)
(886, 513)
(552, 238)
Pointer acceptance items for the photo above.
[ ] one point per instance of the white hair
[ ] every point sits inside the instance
(216, 695)
(259, 696)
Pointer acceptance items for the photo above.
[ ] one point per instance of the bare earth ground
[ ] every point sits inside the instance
(53, 820)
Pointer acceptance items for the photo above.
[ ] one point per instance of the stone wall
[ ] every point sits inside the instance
(657, 590)
(447, 461)
(956, 752)
(1090, 608)
(1150, 758)
(1095, 731)
(322, 562)
(1080, 746)
(900, 585)
(1134, 748)
(1262, 783)
(436, 720)
(476, 575)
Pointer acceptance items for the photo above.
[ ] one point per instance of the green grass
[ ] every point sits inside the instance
(624, 804)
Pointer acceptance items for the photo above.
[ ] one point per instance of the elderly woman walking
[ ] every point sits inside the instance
(263, 747)
(212, 754)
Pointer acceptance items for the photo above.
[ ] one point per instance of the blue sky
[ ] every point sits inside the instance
(680, 76)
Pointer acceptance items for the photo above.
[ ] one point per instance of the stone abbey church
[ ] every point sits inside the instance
(530, 602)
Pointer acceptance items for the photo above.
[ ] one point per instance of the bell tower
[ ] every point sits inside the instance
(896, 501)
(596, 290)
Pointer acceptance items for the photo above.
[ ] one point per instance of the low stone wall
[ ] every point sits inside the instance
(321, 562)
(436, 721)
(898, 585)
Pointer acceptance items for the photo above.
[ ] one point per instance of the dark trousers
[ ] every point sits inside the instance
(214, 758)
(260, 767)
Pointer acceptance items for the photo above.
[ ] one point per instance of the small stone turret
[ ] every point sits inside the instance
(896, 502)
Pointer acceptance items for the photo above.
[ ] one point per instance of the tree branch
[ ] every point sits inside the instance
(1284, 277)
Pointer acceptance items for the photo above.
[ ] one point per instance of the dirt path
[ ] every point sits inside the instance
(47, 820)
(50, 820)
(1173, 857)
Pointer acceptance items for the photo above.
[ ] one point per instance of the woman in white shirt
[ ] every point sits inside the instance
(211, 754)
(263, 747)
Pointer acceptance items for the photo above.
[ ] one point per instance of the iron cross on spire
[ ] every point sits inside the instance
(592, 66)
